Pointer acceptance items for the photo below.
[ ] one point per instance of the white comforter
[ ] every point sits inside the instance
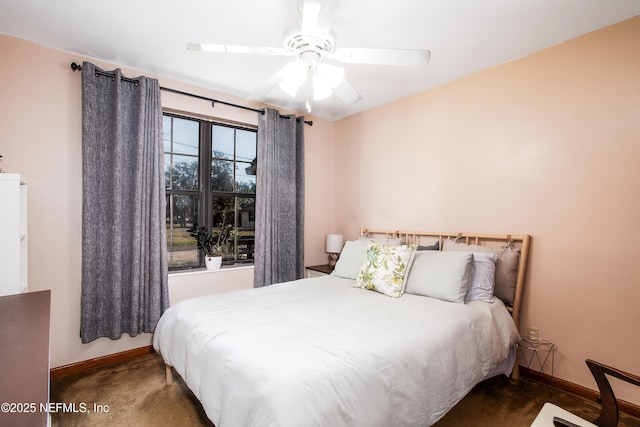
(317, 352)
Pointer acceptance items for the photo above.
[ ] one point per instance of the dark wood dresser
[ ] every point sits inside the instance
(24, 358)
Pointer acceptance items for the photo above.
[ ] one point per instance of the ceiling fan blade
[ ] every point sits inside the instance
(392, 57)
(226, 48)
(346, 92)
(316, 18)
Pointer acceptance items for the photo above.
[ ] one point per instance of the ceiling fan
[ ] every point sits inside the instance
(311, 44)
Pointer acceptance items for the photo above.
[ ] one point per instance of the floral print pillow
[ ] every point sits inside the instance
(385, 269)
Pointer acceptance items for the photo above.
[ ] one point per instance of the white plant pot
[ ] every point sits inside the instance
(213, 262)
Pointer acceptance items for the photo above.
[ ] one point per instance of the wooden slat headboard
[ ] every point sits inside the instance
(492, 240)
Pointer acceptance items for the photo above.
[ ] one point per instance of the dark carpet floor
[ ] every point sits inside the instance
(133, 393)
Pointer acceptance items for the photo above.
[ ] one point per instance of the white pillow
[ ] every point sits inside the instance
(385, 269)
(484, 277)
(442, 275)
(506, 267)
(351, 258)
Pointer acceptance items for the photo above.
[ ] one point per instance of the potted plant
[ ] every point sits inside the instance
(213, 245)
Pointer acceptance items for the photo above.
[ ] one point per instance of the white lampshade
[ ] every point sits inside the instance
(325, 80)
(295, 75)
(334, 243)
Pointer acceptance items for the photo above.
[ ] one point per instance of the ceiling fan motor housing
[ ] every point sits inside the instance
(310, 49)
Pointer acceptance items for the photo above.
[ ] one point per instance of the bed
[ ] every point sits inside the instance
(321, 352)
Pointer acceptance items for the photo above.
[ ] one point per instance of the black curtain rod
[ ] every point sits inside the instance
(76, 67)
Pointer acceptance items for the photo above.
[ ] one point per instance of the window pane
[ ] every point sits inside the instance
(181, 141)
(245, 145)
(167, 170)
(221, 175)
(166, 133)
(186, 136)
(223, 215)
(245, 181)
(181, 247)
(184, 173)
(223, 211)
(246, 228)
(222, 142)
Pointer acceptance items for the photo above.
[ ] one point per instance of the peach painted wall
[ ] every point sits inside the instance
(40, 138)
(546, 145)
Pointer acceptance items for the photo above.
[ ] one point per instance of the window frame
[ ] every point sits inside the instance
(205, 194)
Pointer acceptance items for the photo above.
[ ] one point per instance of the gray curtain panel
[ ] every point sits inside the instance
(279, 245)
(124, 262)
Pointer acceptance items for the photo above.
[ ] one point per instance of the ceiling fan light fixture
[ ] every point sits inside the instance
(295, 75)
(325, 79)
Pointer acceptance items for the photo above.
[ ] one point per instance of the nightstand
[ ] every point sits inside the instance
(538, 350)
(317, 270)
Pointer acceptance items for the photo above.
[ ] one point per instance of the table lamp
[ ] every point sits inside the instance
(333, 247)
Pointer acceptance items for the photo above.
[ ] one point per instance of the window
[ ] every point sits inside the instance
(210, 177)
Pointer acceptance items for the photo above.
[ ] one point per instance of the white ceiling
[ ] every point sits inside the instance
(464, 36)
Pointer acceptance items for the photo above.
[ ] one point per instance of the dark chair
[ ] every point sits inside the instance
(609, 410)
